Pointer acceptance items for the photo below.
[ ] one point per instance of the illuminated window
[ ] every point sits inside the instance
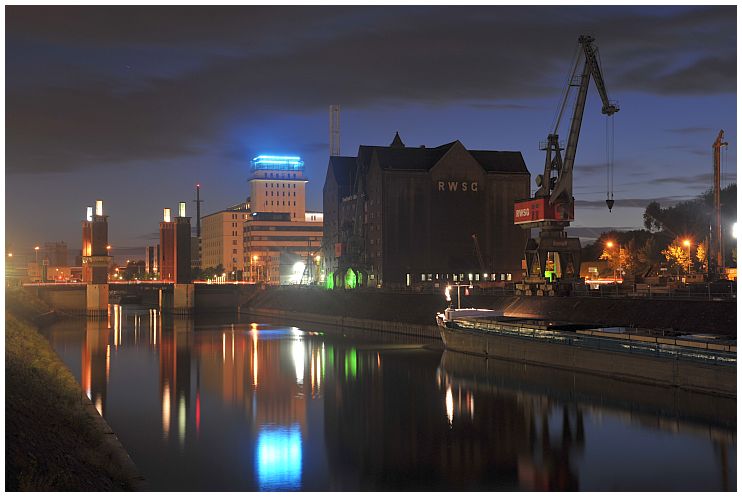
(422, 277)
(476, 277)
(510, 276)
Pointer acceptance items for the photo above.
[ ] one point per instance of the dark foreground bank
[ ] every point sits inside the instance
(54, 438)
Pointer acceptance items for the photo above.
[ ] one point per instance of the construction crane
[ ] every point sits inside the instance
(551, 209)
(482, 268)
(717, 242)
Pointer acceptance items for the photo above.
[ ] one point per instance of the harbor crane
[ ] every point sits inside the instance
(551, 209)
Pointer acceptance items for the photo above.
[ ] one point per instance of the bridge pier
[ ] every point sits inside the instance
(183, 298)
(97, 300)
(180, 301)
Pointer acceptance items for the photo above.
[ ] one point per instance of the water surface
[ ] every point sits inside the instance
(223, 403)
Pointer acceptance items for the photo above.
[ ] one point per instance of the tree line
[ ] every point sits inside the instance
(675, 237)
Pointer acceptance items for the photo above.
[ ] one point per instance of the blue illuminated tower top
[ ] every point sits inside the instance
(277, 163)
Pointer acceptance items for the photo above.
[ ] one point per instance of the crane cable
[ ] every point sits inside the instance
(610, 136)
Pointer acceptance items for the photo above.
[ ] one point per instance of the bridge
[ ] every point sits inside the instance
(176, 289)
(71, 298)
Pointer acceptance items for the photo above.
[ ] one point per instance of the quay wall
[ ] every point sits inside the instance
(718, 317)
(67, 299)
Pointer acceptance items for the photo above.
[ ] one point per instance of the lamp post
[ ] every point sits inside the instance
(38, 269)
(687, 243)
(609, 244)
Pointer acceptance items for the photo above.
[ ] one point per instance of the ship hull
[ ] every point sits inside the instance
(637, 367)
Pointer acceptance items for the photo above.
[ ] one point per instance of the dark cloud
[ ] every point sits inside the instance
(699, 180)
(632, 202)
(130, 83)
(690, 130)
(501, 106)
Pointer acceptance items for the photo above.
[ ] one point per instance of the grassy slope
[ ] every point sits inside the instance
(51, 443)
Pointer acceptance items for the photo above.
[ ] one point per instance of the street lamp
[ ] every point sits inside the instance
(38, 270)
(686, 242)
(609, 244)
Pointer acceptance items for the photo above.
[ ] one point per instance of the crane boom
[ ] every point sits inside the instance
(563, 188)
(717, 248)
(479, 254)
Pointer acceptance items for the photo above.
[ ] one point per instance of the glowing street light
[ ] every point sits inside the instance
(610, 244)
(687, 243)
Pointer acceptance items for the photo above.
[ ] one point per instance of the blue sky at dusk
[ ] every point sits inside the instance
(134, 105)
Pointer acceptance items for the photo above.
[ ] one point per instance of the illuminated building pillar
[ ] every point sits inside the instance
(175, 265)
(167, 248)
(95, 259)
(182, 246)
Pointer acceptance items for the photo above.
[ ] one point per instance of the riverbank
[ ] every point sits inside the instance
(55, 440)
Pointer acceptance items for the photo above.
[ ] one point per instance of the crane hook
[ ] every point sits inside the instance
(609, 202)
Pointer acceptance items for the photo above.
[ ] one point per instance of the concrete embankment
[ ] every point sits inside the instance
(718, 317)
(55, 438)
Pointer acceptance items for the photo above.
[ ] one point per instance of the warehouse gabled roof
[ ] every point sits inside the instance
(500, 162)
(344, 170)
(398, 157)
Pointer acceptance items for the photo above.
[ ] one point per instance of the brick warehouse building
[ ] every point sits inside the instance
(405, 216)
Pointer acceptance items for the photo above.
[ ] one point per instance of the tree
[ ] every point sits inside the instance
(702, 256)
(677, 255)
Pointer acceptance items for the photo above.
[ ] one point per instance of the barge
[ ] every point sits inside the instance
(696, 363)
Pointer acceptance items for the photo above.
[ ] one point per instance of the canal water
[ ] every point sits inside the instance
(223, 403)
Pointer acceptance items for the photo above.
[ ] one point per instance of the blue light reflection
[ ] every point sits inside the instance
(278, 458)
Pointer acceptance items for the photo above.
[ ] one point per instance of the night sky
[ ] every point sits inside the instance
(134, 105)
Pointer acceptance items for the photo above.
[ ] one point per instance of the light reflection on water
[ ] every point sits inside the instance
(278, 455)
(208, 405)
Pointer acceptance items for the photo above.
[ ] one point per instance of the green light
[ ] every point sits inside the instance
(330, 357)
(330, 282)
(549, 275)
(350, 279)
(350, 363)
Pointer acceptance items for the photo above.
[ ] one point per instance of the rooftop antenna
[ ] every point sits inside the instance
(334, 130)
(198, 209)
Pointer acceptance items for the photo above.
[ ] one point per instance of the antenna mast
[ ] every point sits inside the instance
(334, 130)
